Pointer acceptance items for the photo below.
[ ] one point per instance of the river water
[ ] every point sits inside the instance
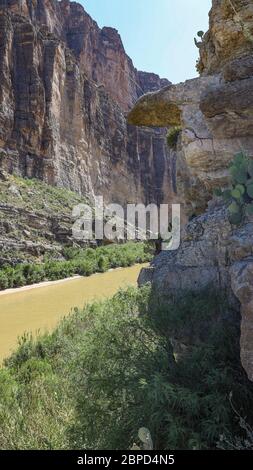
(40, 308)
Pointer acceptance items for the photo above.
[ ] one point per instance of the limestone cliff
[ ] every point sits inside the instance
(65, 86)
(216, 116)
(229, 38)
(214, 110)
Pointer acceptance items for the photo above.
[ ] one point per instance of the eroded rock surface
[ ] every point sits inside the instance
(230, 35)
(212, 255)
(214, 111)
(216, 116)
(242, 284)
(65, 86)
(216, 120)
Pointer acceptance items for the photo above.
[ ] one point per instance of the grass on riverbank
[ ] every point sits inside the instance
(110, 369)
(78, 261)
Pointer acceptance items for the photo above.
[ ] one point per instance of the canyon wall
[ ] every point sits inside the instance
(215, 113)
(65, 87)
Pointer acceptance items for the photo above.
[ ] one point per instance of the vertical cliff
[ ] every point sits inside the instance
(65, 87)
(215, 112)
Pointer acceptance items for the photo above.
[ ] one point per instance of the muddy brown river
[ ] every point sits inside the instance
(39, 308)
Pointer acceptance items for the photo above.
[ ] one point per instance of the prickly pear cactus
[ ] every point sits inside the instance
(240, 197)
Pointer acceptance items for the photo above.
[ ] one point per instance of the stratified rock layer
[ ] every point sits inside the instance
(215, 113)
(65, 86)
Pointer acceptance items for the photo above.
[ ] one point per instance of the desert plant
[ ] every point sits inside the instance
(172, 137)
(200, 35)
(239, 198)
(128, 348)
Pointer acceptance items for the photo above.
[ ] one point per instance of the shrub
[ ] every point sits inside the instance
(200, 34)
(85, 267)
(112, 368)
(103, 264)
(18, 279)
(4, 281)
(136, 381)
(79, 261)
(173, 136)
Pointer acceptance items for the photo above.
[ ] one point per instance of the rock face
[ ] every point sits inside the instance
(35, 220)
(242, 284)
(212, 255)
(65, 86)
(230, 35)
(214, 111)
(216, 118)
(215, 114)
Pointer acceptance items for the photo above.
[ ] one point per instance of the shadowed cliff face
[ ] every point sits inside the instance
(65, 86)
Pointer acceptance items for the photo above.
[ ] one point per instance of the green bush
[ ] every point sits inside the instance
(4, 281)
(173, 136)
(85, 267)
(103, 264)
(200, 34)
(136, 380)
(78, 261)
(124, 364)
(18, 279)
(34, 411)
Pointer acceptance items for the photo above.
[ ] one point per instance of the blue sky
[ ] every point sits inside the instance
(157, 34)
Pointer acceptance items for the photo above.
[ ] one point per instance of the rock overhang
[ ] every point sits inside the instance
(155, 109)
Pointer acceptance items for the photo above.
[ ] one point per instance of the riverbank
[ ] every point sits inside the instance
(76, 262)
(109, 369)
(15, 290)
(40, 307)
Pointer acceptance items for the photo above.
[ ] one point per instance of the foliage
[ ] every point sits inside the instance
(83, 262)
(36, 195)
(36, 206)
(173, 136)
(110, 369)
(240, 197)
